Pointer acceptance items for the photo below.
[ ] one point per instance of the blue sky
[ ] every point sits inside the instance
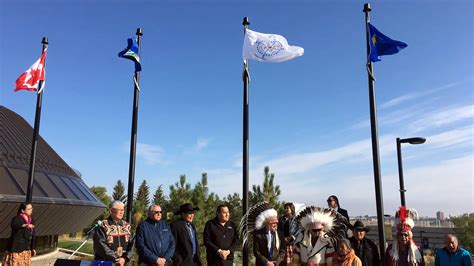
(309, 117)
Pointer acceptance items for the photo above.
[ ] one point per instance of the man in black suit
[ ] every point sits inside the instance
(184, 232)
(333, 203)
(268, 245)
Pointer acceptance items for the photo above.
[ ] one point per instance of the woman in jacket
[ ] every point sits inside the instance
(21, 245)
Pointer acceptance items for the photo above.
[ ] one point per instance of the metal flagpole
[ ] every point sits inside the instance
(133, 139)
(245, 144)
(39, 103)
(375, 142)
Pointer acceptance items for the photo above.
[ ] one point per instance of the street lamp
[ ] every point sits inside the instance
(417, 140)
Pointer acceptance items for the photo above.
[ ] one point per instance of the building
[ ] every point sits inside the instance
(440, 216)
(62, 201)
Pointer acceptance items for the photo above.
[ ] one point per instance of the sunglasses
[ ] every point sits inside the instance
(316, 230)
(157, 212)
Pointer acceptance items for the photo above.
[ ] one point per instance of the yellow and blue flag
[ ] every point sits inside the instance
(131, 52)
(382, 45)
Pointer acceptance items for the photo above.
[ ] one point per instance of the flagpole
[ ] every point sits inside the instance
(245, 144)
(375, 143)
(39, 103)
(133, 139)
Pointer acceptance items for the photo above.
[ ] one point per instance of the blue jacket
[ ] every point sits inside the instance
(154, 240)
(461, 257)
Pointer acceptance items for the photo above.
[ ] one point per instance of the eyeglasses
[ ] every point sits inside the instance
(316, 230)
(119, 210)
(329, 200)
(157, 212)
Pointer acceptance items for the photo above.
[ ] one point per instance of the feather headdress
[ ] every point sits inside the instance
(405, 219)
(255, 219)
(333, 223)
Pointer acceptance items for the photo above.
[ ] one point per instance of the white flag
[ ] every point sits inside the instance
(272, 48)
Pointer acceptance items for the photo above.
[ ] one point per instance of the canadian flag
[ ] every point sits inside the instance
(30, 79)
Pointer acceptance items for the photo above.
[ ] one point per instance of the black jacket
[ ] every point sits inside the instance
(217, 237)
(344, 213)
(260, 248)
(21, 238)
(183, 255)
(367, 251)
(110, 237)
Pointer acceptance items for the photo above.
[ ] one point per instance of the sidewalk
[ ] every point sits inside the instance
(50, 258)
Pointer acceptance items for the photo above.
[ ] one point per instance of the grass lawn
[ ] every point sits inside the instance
(73, 245)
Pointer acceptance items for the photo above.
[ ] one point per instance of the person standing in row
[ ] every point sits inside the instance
(364, 248)
(155, 242)
(113, 240)
(220, 238)
(452, 254)
(184, 232)
(21, 244)
(403, 250)
(333, 203)
(284, 225)
(345, 255)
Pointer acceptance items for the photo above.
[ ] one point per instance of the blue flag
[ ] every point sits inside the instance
(131, 52)
(382, 45)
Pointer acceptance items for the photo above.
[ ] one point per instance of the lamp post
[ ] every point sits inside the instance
(417, 140)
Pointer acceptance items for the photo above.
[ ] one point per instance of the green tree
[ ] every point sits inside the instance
(101, 194)
(465, 229)
(180, 193)
(159, 198)
(269, 193)
(142, 200)
(119, 192)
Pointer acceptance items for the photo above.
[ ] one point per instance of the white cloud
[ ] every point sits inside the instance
(451, 138)
(201, 144)
(418, 94)
(431, 186)
(442, 117)
(151, 154)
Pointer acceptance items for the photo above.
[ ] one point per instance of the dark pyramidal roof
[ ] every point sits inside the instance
(62, 202)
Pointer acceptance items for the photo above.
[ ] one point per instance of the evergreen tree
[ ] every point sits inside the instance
(142, 199)
(159, 198)
(180, 193)
(119, 192)
(101, 194)
(269, 193)
(235, 207)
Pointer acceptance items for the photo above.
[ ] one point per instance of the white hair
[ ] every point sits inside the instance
(115, 203)
(263, 216)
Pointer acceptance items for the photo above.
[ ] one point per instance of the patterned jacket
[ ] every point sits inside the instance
(113, 240)
(321, 254)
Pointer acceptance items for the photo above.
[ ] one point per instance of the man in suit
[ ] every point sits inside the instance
(184, 232)
(268, 245)
(333, 203)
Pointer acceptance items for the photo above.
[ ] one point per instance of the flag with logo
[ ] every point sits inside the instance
(31, 78)
(382, 45)
(131, 52)
(265, 47)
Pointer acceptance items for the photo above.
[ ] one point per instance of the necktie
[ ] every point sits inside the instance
(191, 234)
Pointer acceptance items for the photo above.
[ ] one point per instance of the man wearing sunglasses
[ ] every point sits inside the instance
(155, 242)
(403, 250)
